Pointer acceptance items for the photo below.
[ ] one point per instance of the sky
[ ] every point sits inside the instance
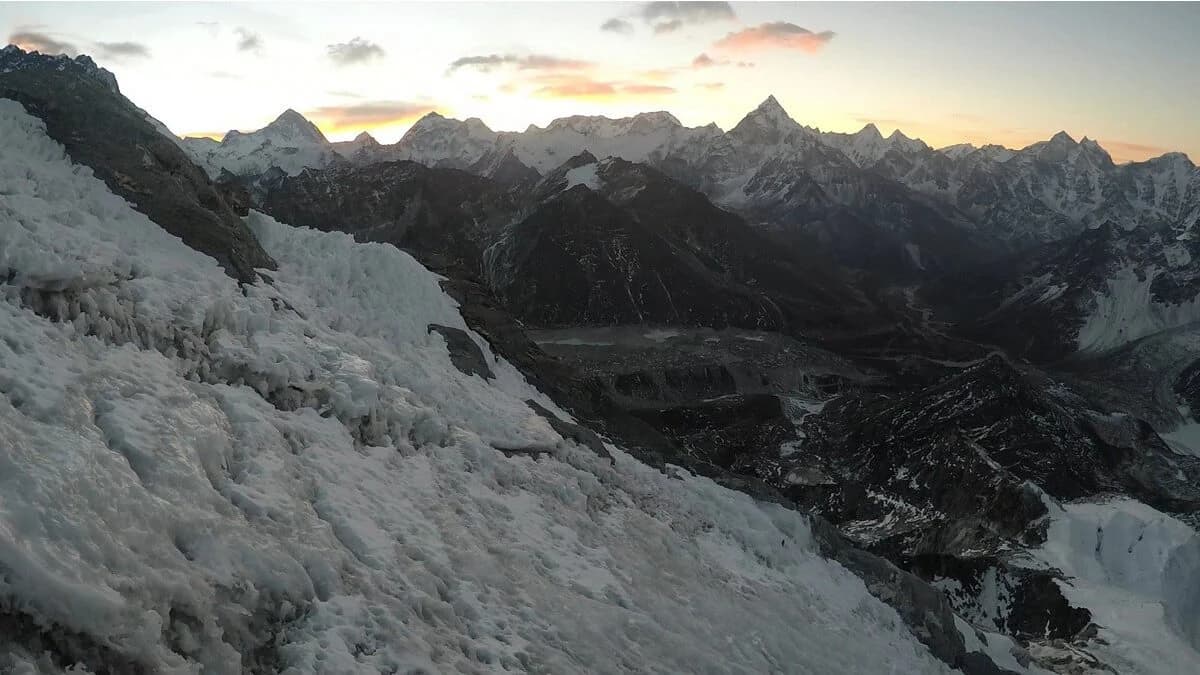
(1127, 75)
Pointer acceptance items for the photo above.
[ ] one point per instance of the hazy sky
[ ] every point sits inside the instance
(1125, 74)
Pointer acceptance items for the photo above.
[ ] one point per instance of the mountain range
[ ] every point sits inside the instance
(604, 396)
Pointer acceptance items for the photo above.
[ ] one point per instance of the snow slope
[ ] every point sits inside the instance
(1127, 311)
(1138, 571)
(293, 477)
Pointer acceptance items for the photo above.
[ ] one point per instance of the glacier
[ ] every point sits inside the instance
(292, 476)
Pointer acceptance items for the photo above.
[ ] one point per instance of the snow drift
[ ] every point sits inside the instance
(292, 476)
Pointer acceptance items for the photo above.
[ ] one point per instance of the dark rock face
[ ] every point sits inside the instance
(727, 431)
(443, 216)
(101, 129)
(464, 353)
(956, 456)
(580, 260)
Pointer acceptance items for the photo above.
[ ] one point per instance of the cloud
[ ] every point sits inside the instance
(687, 12)
(712, 86)
(224, 75)
(657, 74)
(248, 41)
(745, 64)
(357, 116)
(345, 94)
(667, 27)
(32, 40)
(775, 35)
(489, 62)
(646, 89)
(574, 86)
(1131, 151)
(118, 50)
(706, 61)
(211, 26)
(357, 50)
(617, 26)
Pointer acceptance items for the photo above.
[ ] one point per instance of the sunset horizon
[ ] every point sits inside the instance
(947, 74)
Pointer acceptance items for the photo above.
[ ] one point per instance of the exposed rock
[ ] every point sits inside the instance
(464, 353)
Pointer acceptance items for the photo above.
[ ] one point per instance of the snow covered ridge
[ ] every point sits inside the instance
(293, 477)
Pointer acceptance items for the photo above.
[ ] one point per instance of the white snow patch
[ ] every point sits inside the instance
(1184, 439)
(1126, 311)
(584, 175)
(1138, 571)
(1177, 255)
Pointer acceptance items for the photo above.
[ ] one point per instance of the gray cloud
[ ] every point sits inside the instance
(118, 50)
(667, 26)
(488, 62)
(617, 26)
(357, 50)
(32, 40)
(248, 41)
(687, 12)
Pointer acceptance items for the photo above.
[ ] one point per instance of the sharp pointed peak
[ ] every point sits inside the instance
(869, 129)
(770, 104)
(1062, 137)
(365, 137)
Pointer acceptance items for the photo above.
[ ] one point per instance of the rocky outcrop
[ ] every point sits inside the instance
(99, 128)
(464, 353)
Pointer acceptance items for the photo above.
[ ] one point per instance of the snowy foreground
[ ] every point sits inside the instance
(294, 477)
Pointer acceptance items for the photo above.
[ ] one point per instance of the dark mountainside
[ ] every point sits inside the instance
(920, 368)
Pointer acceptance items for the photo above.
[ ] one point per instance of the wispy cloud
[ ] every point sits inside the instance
(617, 26)
(1132, 151)
(358, 116)
(248, 41)
(669, 17)
(775, 35)
(224, 75)
(706, 61)
(712, 86)
(579, 86)
(488, 62)
(355, 51)
(646, 89)
(123, 49)
(687, 12)
(30, 39)
(667, 27)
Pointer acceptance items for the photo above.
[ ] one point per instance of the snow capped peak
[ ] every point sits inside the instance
(869, 131)
(1062, 138)
(771, 110)
(657, 119)
(293, 126)
(958, 150)
(767, 124)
